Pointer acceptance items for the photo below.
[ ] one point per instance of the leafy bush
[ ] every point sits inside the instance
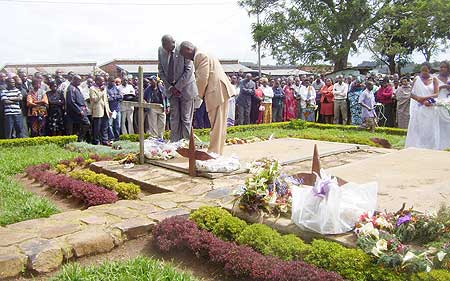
(177, 233)
(352, 264)
(124, 190)
(269, 242)
(434, 275)
(58, 140)
(137, 269)
(229, 228)
(207, 217)
(88, 193)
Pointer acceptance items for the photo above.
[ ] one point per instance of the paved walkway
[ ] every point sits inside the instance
(42, 245)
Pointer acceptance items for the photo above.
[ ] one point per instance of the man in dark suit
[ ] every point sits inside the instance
(177, 74)
(77, 117)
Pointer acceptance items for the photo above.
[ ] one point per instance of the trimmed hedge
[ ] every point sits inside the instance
(294, 124)
(124, 190)
(90, 194)
(178, 233)
(58, 140)
(352, 264)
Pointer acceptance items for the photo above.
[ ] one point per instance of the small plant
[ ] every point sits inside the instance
(242, 262)
(88, 193)
(137, 269)
(207, 217)
(124, 190)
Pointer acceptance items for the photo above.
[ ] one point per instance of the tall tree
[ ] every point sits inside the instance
(309, 31)
(384, 40)
(427, 25)
(408, 26)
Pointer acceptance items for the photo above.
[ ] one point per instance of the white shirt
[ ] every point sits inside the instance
(126, 90)
(268, 94)
(307, 96)
(340, 91)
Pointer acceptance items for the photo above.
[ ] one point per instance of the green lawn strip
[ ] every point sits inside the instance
(306, 130)
(118, 148)
(334, 135)
(137, 269)
(16, 204)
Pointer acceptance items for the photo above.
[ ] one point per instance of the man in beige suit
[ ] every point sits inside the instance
(100, 111)
(215, 89)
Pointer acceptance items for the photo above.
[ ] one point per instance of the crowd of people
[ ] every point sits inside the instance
(93, 108)
(41, 105)
(361, 101)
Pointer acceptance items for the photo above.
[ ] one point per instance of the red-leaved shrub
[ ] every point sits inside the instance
(177, 233)
(89, 194)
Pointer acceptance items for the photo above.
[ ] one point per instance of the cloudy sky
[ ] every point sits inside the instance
(101, 30)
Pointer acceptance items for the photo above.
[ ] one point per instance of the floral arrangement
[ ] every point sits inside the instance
(444, 103)
(242, 262)
(266, 190)
(158, 149)
(407, 240)
(231, 141)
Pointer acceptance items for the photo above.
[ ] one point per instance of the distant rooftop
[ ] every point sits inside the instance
(82, 68)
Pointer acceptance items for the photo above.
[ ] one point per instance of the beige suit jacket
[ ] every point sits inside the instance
(99, 102)
(213, 84)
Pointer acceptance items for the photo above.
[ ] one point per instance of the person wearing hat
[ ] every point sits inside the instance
(156, 119)
(215, 89)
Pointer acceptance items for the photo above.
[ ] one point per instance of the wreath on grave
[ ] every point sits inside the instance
(266, 191)
(408, 241)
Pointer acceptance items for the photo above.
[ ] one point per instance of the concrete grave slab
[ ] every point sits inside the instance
(418, 177)
(285, 150)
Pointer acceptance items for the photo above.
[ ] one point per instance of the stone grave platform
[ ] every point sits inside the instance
(418, 177)
(286, 151)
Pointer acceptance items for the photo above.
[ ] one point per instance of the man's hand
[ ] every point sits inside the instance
(175, 92)
(81, 113)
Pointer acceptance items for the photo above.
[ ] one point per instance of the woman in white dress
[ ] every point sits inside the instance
(423, 130)
(443, 113)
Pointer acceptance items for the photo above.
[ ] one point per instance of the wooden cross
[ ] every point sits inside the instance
(141, 105)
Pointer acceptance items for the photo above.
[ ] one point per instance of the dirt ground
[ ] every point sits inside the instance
(63, 202)
(185, 261)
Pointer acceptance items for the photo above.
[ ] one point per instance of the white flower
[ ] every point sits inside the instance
(368, 229)
(381, 221)
(441, 255)
(409, 256)
(380, 246)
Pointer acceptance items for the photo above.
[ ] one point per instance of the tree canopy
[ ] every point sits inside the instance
(310, 31)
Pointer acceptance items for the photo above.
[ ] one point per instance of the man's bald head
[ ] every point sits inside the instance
(76, 80)
(168, 43)
(187, 50)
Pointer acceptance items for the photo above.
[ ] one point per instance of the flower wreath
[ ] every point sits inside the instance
(408, 241)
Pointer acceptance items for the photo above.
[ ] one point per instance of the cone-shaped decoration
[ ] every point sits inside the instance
(316, 161)
(192, 170)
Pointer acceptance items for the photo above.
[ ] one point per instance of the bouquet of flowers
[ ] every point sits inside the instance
(267, 190)
(385, 236)
(158, 149)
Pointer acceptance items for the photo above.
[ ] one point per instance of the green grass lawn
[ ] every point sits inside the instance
(16, 204)
(334, 135)
(137, 269)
